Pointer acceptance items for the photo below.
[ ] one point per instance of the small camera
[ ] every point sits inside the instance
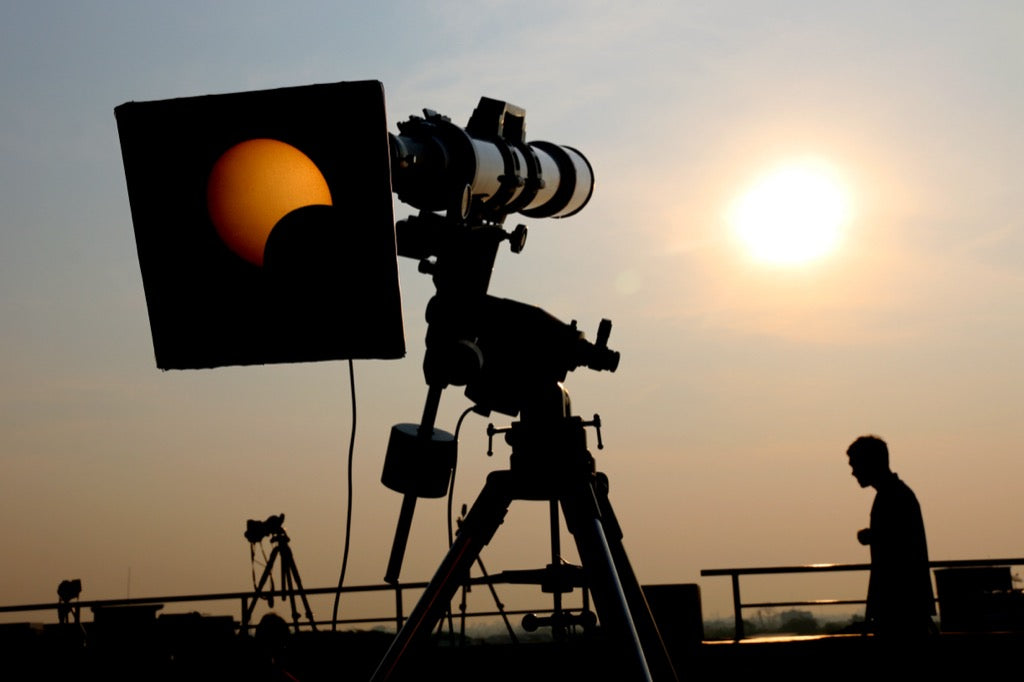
(69, 589)
(256, 530)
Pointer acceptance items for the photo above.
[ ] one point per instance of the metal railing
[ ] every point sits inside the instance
(739, 605)
(246, 599)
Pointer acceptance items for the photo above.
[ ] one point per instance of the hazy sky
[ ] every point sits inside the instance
(741, 383)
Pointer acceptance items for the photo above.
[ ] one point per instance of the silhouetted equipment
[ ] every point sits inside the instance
(512, 358)
(291, 582)
(66, 591)
(677, 611)
(127, 632)
(265, 233)
(478, 176)
(264, 224)
(550, 461)
(979, 599)
(256, 530)
(557, 578)
(490, 587)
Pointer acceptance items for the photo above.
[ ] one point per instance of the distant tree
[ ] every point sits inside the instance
(720, 628)
(794, 621)
(764, 621)
(799, 622)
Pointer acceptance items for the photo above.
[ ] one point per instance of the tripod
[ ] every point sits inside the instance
(550, 461)
(290, 580)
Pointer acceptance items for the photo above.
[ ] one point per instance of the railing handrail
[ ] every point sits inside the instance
(502, 578)
(768, 570)
(738, 604)
(812, 568)
(220, 596)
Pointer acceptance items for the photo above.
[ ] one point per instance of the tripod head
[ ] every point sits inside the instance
(525, 350)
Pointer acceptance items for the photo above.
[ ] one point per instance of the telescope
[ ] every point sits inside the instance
(466, 182)
(512, 358)
(487, 168)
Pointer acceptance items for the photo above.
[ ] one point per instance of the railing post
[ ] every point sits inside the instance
(399, 617)
(244, 620)
(737, 606)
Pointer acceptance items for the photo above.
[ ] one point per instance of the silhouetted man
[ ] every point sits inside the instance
(900, 598)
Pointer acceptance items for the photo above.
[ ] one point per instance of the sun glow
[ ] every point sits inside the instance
(793, 214)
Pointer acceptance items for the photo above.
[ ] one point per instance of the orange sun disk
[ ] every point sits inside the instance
(255, 184)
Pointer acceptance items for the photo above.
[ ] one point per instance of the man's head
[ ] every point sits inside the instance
(869, 459)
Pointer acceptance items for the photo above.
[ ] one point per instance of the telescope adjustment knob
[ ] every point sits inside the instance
(517, 239)
(491, 430)
(596, 423)
(604, 330)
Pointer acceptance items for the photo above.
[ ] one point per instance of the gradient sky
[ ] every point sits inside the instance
(740, 386)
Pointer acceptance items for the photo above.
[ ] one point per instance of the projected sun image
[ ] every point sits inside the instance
(255, 184)
(793, 214)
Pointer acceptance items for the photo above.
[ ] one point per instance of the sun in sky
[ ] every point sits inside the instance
(794, 213)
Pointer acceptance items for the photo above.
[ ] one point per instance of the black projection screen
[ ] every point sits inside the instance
(265, 226)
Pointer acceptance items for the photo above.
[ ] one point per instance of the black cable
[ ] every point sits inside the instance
(348, 506)
(270, 575)
(451, 482)
(451, 498)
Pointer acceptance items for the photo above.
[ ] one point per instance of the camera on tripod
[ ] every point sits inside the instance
(256, 530)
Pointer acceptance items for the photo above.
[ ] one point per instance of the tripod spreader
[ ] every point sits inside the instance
(585, 620)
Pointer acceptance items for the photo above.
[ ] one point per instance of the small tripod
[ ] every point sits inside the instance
(550, 461)
(291, 583)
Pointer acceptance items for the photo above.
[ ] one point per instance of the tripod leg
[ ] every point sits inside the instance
(289, 588)
(297, 581)
(558, 629)
(259, 588)
(497, 603)
(476, 531)
(654, 646)
(401, 539)
(582, 515)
